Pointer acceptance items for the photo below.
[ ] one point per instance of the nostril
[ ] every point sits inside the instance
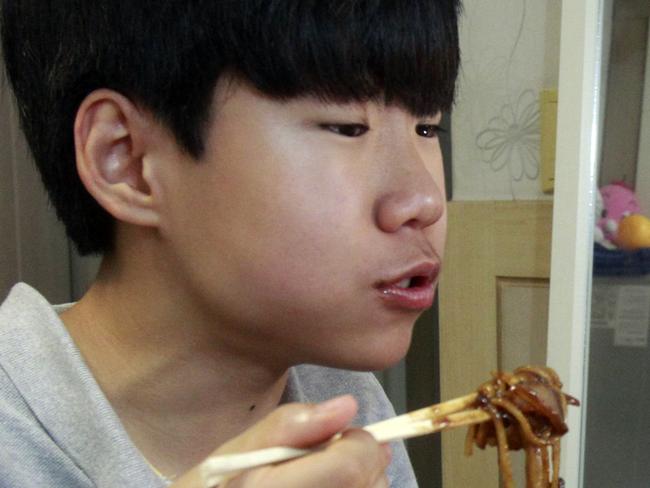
(413, 223)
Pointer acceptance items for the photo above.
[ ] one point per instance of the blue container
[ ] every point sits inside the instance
(621, 263)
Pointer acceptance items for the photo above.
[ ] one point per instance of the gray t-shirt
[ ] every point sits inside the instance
(57, 429)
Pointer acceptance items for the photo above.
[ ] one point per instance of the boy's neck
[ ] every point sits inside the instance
(178, 391)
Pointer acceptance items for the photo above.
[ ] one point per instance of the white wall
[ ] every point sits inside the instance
(510, 51)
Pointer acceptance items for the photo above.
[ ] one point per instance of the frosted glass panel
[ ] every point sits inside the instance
(618, 399)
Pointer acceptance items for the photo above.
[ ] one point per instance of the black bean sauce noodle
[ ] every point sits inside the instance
(528, 409)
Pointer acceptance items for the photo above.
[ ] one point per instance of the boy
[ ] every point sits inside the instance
(264, 181)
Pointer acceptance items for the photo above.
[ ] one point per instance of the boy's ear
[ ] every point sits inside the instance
(111, 144)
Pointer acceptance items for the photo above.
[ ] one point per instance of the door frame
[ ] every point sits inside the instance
(576, 177)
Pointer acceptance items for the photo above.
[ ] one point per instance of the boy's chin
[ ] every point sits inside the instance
(376, 359)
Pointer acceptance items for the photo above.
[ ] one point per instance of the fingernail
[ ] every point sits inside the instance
(331, 406)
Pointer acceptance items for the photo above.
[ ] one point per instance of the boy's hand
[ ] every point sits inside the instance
(354, 461)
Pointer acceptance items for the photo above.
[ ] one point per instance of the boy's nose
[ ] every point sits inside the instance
(414, 200)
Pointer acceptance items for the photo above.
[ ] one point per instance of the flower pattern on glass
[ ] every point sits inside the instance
(512, 139)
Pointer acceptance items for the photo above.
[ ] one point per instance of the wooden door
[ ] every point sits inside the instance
(493, 311)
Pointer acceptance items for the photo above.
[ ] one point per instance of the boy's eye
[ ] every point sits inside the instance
(428, 130)
(346, 130)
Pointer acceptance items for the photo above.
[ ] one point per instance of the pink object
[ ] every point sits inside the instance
(619, 201)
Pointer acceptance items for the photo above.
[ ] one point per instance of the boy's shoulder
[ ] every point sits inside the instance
(313, 384)
(31, 455)
(56, 426)
(36, 352)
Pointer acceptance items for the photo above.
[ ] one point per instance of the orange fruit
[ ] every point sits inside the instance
(633, 232)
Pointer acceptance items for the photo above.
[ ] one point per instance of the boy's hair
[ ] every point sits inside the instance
(167, 55)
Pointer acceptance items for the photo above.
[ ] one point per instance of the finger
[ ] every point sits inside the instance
(355, 460)
(382, 483)
(296, 425)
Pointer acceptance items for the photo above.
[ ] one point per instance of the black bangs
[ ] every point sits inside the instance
(402, 51)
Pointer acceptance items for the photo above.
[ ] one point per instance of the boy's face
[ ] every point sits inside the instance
(290, 233)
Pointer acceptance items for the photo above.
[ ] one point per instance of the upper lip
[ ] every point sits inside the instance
(427, 271)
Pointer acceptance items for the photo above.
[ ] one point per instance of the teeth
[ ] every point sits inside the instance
(404, 283)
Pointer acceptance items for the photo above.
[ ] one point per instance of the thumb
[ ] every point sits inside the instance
(296, 425)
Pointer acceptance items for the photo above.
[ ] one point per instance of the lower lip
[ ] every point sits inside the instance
(416, 298)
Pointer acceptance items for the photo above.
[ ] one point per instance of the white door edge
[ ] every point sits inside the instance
(578, 144)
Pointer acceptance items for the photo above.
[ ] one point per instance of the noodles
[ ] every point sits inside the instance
(527, 408)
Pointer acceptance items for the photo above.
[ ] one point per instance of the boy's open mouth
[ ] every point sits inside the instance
(414, 282)
(412, 290)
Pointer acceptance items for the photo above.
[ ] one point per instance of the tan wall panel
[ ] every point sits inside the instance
(523, 322)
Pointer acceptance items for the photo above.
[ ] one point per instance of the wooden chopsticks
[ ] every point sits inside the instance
(447, 415)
